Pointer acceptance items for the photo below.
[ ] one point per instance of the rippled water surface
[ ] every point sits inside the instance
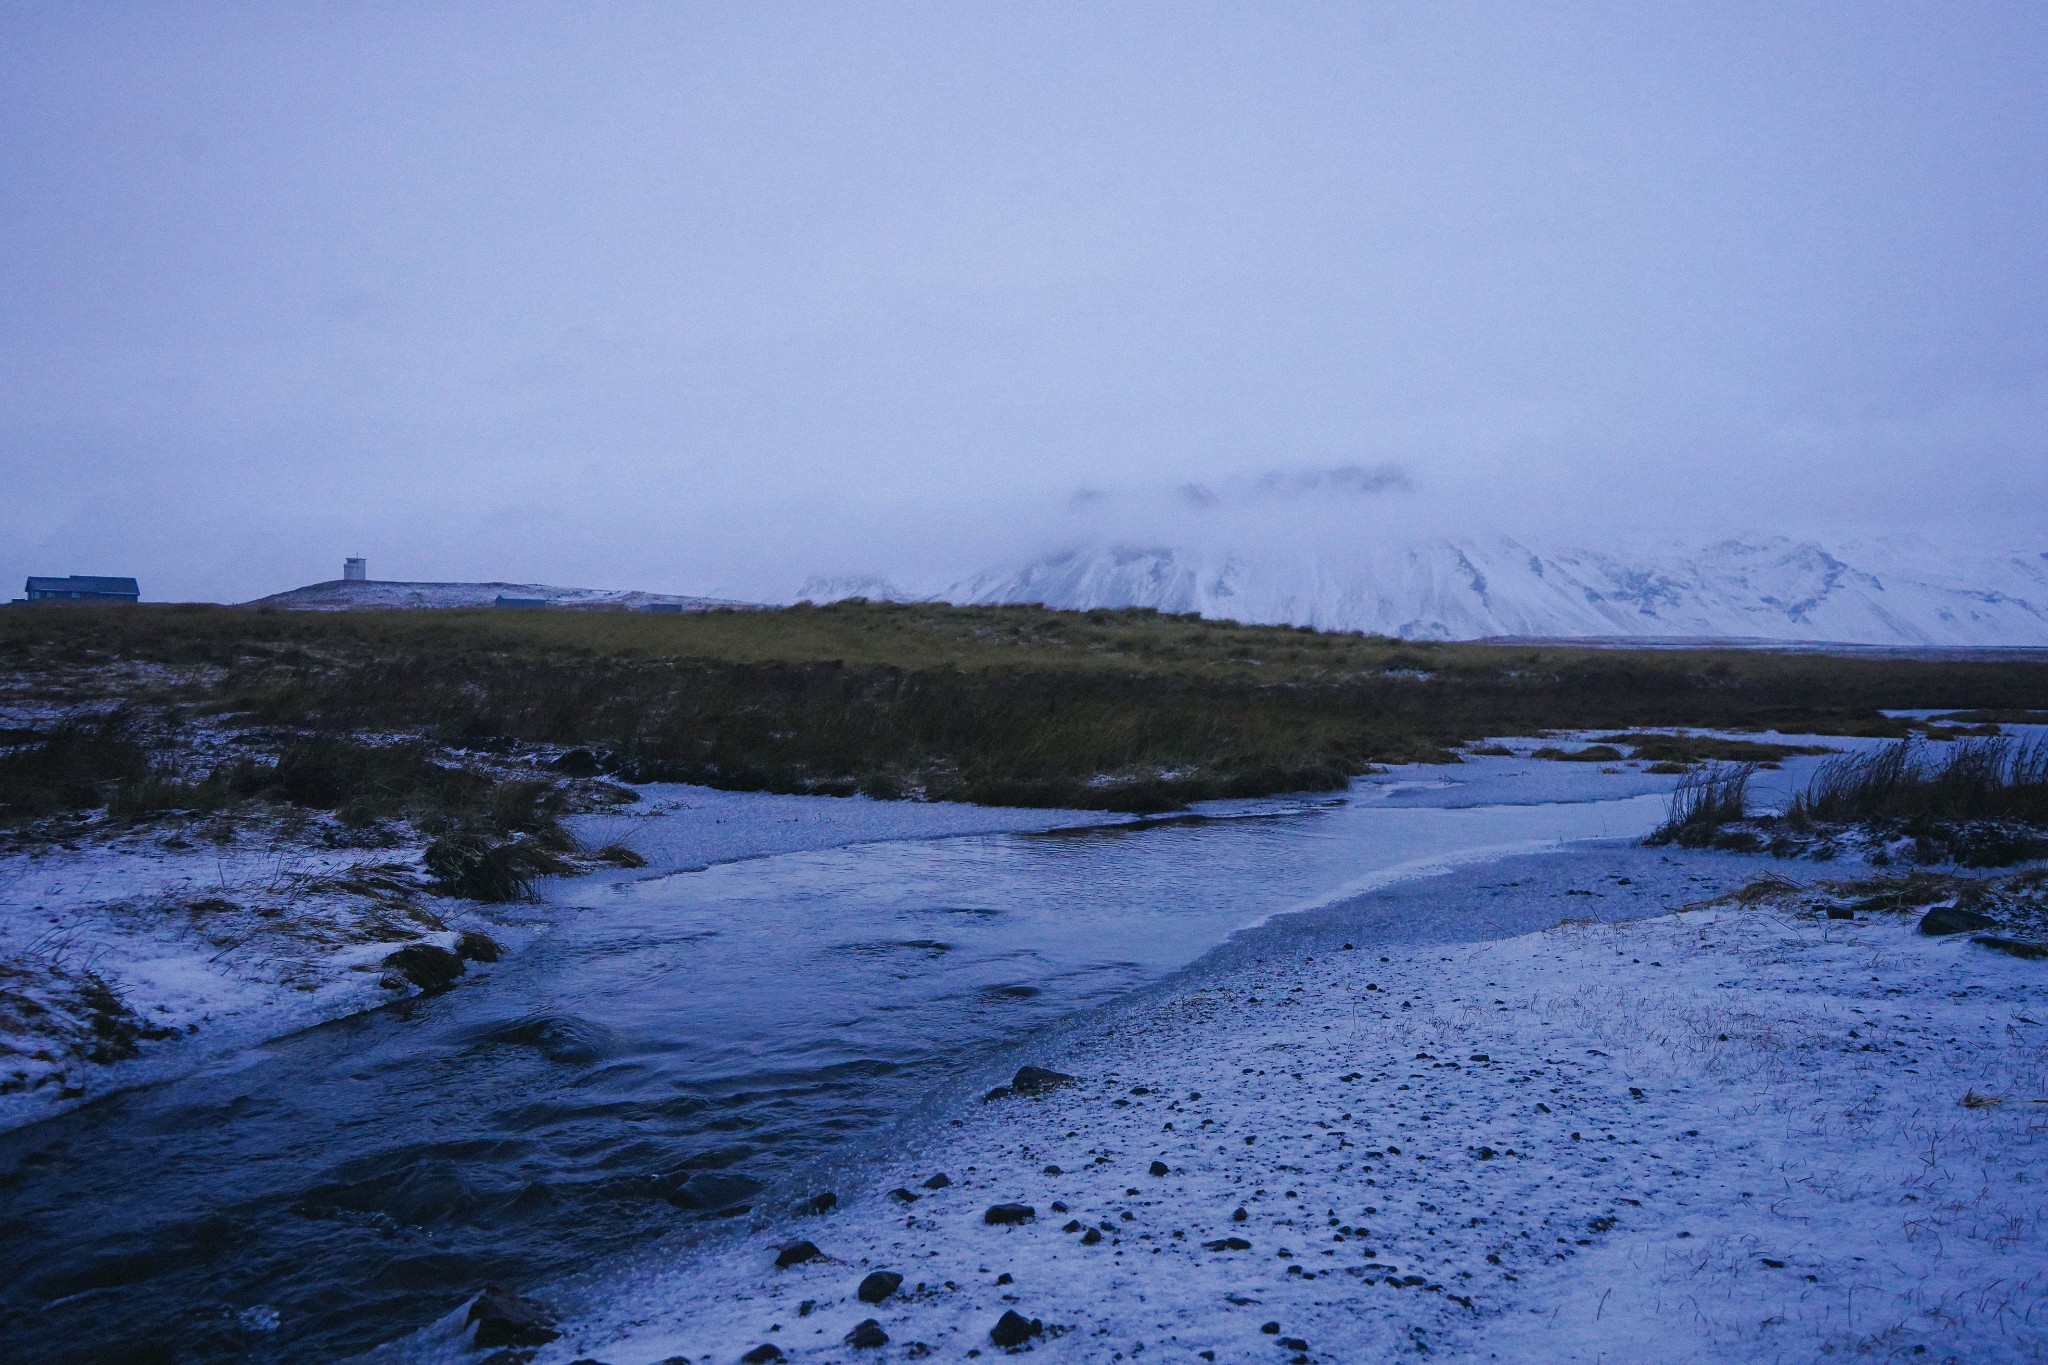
(669, 1051)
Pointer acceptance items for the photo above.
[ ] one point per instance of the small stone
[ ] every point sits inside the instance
(796, 1253)
(878, 1286)
(1006, 1278)
(1054, 1170)
(502, 1318)
(1159, 1168)
(1090, 1237)
(1073, 1225)
(1014, 1329)
(1271, 1329)
(764, 1354)
(1942, 919)
(822, 1203)
(1840, 912)
(476, 947)
(937, 1182)
(431, 968)
(1240, 1215)
(2016, 947)
(1227, 1244)
(903, 1196)
(1037, 1080)
(867, 1336)
(1294, 1343)
(1001, 1214)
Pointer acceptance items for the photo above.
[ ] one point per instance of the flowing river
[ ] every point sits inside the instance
(667, 1053)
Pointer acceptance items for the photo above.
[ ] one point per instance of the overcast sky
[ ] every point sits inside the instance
(708, 297)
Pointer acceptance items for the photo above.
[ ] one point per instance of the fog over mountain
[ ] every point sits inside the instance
(1352, 548)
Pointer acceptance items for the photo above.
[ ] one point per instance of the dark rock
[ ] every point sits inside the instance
(823, 1203)
(764, 1354)
(430, 968)
(578, 763)
(1271, 1329)
(472, 946)
(1006, 1278)
(1159, 1168)
(1840, 912)
(796, 1253)
(1091, 1237)
(1054, 1170)
(903, 1196)
(1294, 1343)
(1073, 1225)
(1000, 1214)
(709, 1191)
(1037, 1080)
(1240, 1215)
(1227, 1244)
(867, 1336)
(1014, 1329)
(2018, 947)
(878, 1286)
(502, 1318)
(1953, 919)
(937, 1182)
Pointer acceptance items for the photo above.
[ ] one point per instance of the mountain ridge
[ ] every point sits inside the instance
(1885, 591)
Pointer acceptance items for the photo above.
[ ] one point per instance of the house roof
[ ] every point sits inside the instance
(85, 583)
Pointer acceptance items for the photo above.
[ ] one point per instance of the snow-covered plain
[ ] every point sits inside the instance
(1727, 1132)
(1894, 591)
(385, 595)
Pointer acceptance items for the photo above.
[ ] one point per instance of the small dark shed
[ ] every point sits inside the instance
(83, 588)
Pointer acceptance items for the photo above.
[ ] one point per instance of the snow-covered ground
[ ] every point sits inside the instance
(202, 952)
(1727, 1132)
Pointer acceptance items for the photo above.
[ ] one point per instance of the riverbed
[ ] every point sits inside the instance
(669, 1053)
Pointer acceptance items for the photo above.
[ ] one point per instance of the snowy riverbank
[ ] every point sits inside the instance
(129, 956)
(1730, 1132)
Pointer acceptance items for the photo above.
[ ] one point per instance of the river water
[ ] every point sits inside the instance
(667, 1053)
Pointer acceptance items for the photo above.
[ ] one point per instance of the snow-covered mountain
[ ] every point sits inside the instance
(1893, 591)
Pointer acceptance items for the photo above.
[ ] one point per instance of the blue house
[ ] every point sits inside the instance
(83, 588)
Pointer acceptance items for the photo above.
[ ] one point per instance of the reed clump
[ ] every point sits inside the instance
(1916, 784)
(1705, 802)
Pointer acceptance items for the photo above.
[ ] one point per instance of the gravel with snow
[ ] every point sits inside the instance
(1724, 1133)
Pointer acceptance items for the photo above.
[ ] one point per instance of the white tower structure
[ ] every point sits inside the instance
(355, 570)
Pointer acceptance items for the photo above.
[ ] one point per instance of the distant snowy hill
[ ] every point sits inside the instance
(1877, 592)
(346, 595)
